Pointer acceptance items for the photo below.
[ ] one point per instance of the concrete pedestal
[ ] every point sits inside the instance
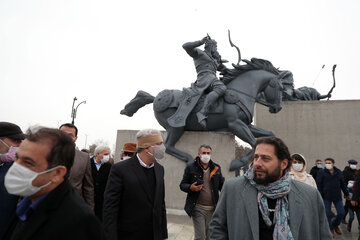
(316, 129)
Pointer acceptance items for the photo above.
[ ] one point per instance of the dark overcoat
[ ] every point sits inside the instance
(130, 211)
(63, 214)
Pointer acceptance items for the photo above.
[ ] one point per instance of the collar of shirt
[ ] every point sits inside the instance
(97, 164)
(25, 207)
(143, 164)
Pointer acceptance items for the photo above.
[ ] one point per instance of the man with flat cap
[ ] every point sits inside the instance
(349, 175)
(129, 150)
(10, 139)
(134, 200)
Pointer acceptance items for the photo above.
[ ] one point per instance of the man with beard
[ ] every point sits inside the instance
(266, 204)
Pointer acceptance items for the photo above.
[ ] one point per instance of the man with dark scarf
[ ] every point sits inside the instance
(266, 203)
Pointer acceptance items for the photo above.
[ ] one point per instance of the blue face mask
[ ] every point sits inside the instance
(319, 166)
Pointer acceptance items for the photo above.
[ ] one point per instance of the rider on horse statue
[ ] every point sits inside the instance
(207, 62)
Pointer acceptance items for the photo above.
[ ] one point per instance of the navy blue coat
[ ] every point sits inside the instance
(330, 185)
(62, 215)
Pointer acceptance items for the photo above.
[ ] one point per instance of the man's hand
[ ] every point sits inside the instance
(204, 39)
(195, 188)
(354, 203)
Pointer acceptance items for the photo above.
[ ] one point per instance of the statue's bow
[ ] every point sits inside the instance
(238, 50)
(334, 84)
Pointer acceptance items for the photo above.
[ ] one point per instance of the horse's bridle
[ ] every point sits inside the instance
(257, 99)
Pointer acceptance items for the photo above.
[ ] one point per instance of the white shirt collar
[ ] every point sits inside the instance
(98, 165)
(143, 164)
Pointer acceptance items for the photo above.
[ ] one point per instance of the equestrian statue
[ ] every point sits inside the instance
(213, 104)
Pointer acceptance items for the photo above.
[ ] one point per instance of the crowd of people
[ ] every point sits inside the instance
(51, 190)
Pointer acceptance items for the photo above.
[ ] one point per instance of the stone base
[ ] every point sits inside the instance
(316, 129)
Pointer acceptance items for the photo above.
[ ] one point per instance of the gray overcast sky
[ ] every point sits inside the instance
(105, 51)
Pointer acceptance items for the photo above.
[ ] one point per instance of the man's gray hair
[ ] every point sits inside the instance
(147, 132)
(204, 146)
(100, 149)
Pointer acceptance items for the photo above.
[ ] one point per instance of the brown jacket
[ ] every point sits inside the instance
(81, 179)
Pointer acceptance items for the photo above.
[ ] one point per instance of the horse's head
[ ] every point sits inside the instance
(273, 95)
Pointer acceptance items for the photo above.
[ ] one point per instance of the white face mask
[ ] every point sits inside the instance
(126, 157)
(350, 184)
(328, 166)
(18, 180)
(159, 151)
(353, 166)
(105, 159)
(298, 166)
(205, 158)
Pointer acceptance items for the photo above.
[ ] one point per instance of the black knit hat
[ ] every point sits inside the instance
(11, 131)
(352, 161)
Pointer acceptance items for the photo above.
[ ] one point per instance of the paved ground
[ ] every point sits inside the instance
(180, 228)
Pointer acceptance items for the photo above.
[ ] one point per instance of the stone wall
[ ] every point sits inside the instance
(316, 129)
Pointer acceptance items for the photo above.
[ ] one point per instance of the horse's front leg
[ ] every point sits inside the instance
(260, 132)
(173, 135)
(242, 131)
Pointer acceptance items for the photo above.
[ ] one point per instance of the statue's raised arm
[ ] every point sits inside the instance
(207, 62)
(191, 47)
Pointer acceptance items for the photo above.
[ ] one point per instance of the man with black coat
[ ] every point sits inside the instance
(315, 169)
(134, 200)
(349, 174)
(202, 182)
(10, 139)
(330, 183)
(50, 208)
(100, 169)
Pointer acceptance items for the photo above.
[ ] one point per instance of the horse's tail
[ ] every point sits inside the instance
(141, 99)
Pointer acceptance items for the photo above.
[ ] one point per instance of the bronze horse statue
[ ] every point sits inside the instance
(233, 113)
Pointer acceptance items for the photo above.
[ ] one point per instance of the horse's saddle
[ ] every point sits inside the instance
(190, 100)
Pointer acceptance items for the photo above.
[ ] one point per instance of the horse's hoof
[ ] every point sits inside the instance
(236, 164)
(203, 123)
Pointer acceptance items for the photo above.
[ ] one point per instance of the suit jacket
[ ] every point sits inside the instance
(81, 179)
(236, 215)
(61, 215)
(100, 178)
(130, 212)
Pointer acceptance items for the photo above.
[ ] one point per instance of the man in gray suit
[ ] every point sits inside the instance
(80, 174)
(266, 204)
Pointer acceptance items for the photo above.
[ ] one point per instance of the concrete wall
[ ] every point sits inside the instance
(223, 145)
(316, 129)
